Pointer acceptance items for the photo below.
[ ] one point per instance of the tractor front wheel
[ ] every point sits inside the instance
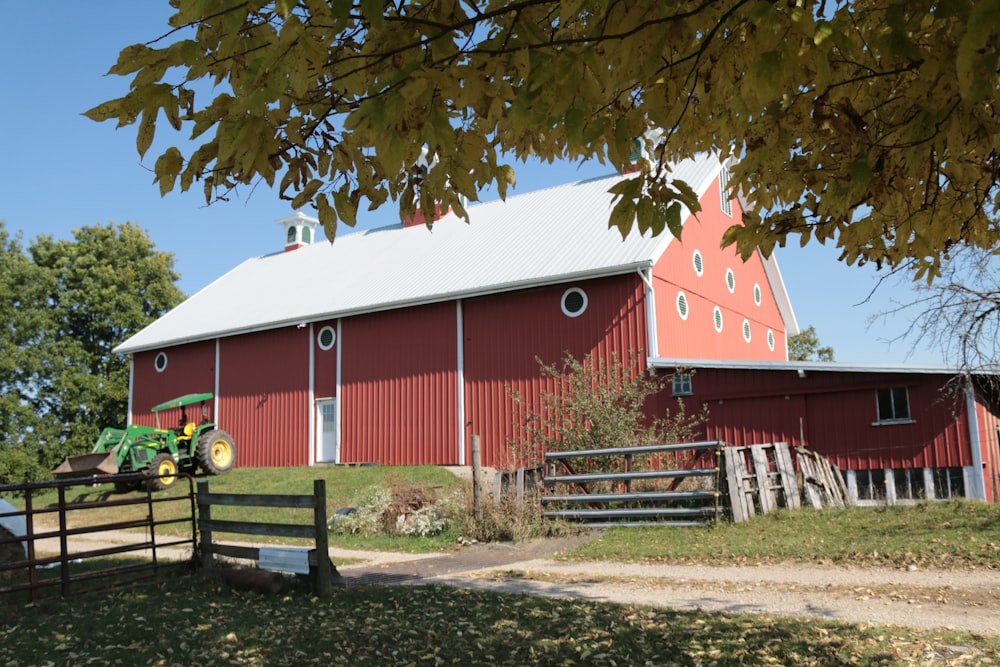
(216, 452)
(162, 472)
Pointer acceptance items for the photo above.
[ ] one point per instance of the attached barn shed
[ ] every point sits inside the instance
(899, 433)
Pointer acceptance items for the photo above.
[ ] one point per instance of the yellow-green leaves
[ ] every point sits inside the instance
(869, 124)
(168, 166)
(627, 193)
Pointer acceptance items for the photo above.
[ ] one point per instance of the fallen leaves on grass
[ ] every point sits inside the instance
(430, 625)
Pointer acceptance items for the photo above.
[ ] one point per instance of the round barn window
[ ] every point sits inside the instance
(717, 316)
(770, 340)
(160, 362)
(756, 294)
(730, 280)
(699, 263)
(746, 330)
(574, 302)
(326, 338)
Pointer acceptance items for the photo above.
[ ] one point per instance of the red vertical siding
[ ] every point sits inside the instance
(190, 370)
(399, 386)
(989, 442)
(264, 398)
(325, 378)
(834, 414)
(696, 336)
(505, 333)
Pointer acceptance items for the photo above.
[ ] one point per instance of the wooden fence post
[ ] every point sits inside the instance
(204, 535)
(476, 474)
(324, 577)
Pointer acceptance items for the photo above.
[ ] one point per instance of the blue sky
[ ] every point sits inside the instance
(61, 171)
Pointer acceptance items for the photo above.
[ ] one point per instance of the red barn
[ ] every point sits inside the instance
(395, 345)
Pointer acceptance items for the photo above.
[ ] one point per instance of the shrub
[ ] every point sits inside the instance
(598, 403)
(502, 519)
(404, 511)
(366, 517)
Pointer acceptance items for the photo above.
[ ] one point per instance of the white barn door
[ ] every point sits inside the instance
(327, 449)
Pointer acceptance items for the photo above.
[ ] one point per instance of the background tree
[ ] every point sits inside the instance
(868, 123)
(959, 313)
(805, 346)
(64, 305)
(20, 426)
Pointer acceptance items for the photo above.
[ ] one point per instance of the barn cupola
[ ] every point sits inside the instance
(300, 230)
(421, 167)
(638, 151)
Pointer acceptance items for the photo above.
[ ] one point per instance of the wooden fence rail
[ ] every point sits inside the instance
(317, 559)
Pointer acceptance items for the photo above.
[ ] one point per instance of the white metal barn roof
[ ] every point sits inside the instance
(543, 237)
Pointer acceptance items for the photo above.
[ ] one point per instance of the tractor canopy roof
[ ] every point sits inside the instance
(186, 399)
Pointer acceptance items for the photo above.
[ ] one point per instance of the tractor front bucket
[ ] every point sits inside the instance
(87, 465)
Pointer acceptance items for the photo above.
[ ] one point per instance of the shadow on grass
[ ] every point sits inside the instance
(380, 625)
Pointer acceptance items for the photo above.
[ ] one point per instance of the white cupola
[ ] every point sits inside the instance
(300, 230)
(421, 167)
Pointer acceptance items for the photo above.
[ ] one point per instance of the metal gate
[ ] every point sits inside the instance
(63, 547)
(669, 484)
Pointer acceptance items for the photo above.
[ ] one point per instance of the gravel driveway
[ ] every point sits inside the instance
(960, 600)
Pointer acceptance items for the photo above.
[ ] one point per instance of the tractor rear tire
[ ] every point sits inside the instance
(162, 472)
(216, 452)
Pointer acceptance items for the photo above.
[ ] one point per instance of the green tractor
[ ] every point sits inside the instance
(158, 453)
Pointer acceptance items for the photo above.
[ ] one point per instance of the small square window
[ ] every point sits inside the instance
(893, 404)
(909, 483)
(949, 483)
(682, 384)
(871, 484)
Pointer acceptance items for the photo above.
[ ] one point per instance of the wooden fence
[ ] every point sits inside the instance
(617, 503)
(316, 560)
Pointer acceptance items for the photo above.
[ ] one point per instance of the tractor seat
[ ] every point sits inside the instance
(186, 432)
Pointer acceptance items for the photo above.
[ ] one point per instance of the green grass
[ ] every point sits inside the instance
(196, 621)
(951, 535)
(343, 486)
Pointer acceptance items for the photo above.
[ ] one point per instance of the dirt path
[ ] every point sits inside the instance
(960, 601)
(963, 600)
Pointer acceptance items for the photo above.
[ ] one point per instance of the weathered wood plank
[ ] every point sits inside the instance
(842, 484)
(809, 479)
(783, 459)
(267, 529)
(232, 551)
(737, 498)
(761, 470)
(256, 500)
